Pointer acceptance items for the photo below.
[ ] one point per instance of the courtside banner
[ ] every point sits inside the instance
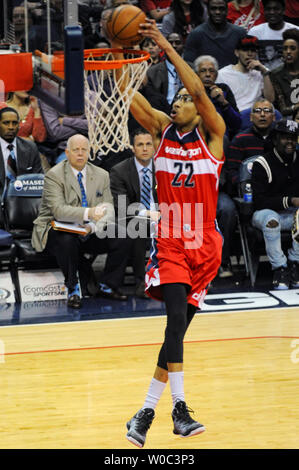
(7, 294)
(42, 285)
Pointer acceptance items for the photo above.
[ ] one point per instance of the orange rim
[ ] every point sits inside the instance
(90, 64)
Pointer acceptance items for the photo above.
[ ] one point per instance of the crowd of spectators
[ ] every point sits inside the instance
(230, 46)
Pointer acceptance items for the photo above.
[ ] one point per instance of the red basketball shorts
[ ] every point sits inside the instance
(172, 261)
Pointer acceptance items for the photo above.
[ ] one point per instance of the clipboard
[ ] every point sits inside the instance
(69, 227)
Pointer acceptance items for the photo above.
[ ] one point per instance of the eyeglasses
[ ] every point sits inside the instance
(262, 110)
(184, 98)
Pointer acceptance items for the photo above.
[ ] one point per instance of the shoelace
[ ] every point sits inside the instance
(143, 421)
(183, 413)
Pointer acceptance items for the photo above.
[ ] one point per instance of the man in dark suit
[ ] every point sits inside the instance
(17, 156)
(78, 192)
(162, 77)
(126, 181)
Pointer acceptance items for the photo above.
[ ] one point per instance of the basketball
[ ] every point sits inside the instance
(122, 23)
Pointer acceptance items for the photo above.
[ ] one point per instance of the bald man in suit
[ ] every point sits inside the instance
(76, 191)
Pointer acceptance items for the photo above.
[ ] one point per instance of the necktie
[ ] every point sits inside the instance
(83, 193)
(145, 197)
(11, 163)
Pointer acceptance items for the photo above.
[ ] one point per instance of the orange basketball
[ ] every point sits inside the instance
(122, 23)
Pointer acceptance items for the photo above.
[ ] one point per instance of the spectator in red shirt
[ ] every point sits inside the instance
(291, 12)
(155, 9)
(31, 122)
(246, 13)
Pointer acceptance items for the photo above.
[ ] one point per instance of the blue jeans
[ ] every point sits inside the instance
(272, 236)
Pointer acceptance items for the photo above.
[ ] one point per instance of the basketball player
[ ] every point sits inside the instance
(186, 253)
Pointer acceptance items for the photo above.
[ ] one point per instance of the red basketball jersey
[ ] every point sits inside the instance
(187, 176)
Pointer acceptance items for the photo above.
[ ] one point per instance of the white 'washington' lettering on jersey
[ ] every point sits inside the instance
(183, 153)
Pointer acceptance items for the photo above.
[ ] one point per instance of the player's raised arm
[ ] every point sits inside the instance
(211, 119)
(153, 120)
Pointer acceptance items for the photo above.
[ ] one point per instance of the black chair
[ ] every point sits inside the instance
(252, 239)
(21, 207)
(7, 250)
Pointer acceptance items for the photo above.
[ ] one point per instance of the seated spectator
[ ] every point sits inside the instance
(183, 17)
(59, 129)
(163, 77)
(206, 68)
(275, 186)
(221, 95)
(17, 156)
(127, 181)
(246, 117)
(216, 36)
(76, 191)
(275, 25)
(255, 140)
(248, 79)
(31, 121)
(285, 79)
(149, 45)
(155, 9)
(246, 13)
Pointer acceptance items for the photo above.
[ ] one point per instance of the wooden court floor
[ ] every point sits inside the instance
(74, 385)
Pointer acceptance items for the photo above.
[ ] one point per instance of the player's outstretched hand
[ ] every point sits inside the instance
(151, 30)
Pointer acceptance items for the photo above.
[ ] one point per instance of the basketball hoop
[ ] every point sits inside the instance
(106, 106)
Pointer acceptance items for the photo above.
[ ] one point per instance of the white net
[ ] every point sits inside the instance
(107, 108)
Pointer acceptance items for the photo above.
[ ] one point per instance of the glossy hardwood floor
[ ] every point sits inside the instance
(74, 385)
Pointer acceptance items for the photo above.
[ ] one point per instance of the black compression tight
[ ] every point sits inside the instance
(179, 316)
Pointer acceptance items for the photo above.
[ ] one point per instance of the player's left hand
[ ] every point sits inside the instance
(151, 30)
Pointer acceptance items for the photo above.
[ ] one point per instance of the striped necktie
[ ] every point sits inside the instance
(83, 193)
(145, 197)
(11, 163)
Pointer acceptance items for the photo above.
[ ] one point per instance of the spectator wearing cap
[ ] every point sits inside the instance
(248, 78)
(216, 36)
(256, 139)
(275, 186)
(275, 25)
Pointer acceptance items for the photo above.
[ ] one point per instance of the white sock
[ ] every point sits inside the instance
(176, 381)
(154, 393)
